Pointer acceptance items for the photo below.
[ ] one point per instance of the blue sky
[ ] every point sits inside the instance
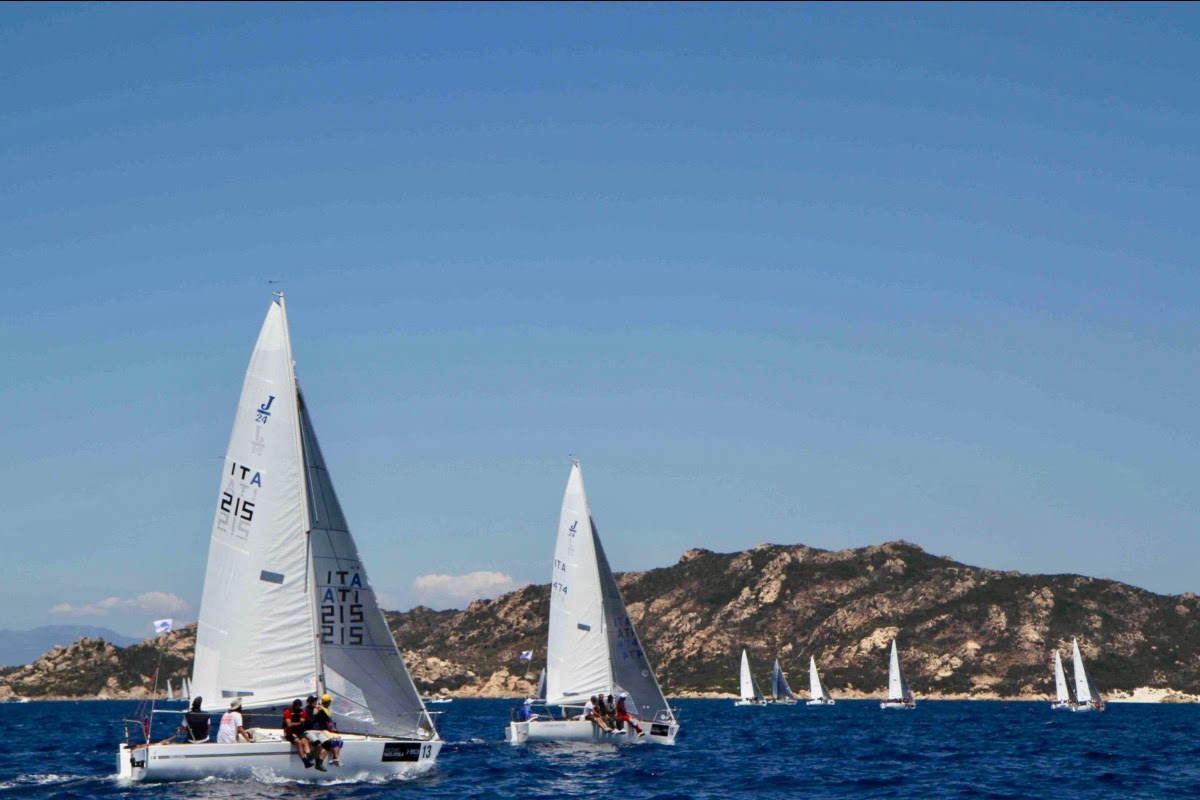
(827, 274)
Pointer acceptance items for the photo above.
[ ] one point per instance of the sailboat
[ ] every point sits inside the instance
(816, 687)
(170, 692)
(1064, 694)
(750, 694)
(287, 610)
(899, 695)
(592, 647)
(781, 693)
(1086, 696)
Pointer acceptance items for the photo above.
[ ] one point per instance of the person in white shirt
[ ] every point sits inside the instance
(231, 724)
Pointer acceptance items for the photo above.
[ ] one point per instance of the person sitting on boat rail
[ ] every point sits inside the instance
(196, 723)
(294, 724)
(320, 734)
(623, 713)
(231, 729)
(591, 711)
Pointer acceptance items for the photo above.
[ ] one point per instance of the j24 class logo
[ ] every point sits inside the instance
(264, 411)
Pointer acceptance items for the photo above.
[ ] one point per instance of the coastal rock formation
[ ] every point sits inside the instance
(963, 631)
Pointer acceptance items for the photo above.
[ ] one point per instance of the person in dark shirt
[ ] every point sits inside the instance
(196, 723)
(321, 733)
(623, 713)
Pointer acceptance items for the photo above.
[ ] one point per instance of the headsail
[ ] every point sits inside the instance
(779, 685)
(363, 669)
(254, 637)
(631, 669)
(1062, 689)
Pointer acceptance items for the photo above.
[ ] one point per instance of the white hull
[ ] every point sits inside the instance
(582, 730)
(898, 704)
(819, 703)
(362, 758)
(1060, 705)
(749, 703)
(1084, 707)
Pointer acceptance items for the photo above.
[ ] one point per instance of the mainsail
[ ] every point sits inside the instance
(592, 645)
(748, 686)
(816, 687)
(287, 608)
(255, 635)
(897, 686)
(779, 685)
(1085, 692)
(1061, 687)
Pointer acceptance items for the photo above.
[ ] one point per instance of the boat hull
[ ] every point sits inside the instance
(582, 730)
(749, 703)
(897, 704)
(820, 702)
(362, 758)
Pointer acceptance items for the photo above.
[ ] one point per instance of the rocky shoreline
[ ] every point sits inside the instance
(965, 633)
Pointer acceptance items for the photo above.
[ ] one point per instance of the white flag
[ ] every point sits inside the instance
(162, 625)
(527, 655)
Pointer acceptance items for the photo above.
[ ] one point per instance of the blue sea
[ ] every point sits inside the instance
(853, 750)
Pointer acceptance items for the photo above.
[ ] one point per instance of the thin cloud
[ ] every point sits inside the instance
(456, 591)
(149, 602)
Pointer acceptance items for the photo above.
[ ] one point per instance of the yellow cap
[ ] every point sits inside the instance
(326, 699)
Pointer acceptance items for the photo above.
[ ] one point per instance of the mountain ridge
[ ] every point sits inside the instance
(963, 631)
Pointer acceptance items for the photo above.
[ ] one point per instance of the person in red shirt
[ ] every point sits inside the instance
(623, 713)
(294, 723)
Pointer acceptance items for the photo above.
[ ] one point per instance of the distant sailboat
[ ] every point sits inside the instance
(899, 695)
(780, 691)
(816, 687)
(750, 695)
(540, 692)
(1065, 695)
(170, 693)
(1086, 696)
(592, 647)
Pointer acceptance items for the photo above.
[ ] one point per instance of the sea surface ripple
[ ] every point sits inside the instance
(853, 750)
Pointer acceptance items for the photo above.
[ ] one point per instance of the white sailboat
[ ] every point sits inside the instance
(170, 693)
(287, 610)
(816, 687)
(899, 695)
(749, 693)
(1064, 694)
(1086, 696)
(592, 647)
(781, 693)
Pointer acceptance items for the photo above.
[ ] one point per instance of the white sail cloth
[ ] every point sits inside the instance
(592, 646)
(254, 638)
(287, 608)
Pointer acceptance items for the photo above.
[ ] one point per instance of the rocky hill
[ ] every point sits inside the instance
(962, 630)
